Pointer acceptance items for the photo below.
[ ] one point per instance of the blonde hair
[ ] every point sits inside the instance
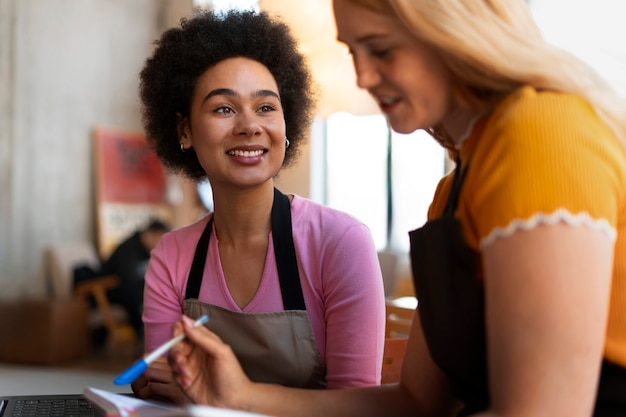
(494, 47)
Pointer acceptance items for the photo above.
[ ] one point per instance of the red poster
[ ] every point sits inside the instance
(131, 186)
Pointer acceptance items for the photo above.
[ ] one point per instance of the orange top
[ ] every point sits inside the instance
(543, 157)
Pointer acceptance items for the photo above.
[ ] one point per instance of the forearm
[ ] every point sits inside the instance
(375, 401)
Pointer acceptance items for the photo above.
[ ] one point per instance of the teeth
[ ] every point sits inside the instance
(387, 100)
(246, 154)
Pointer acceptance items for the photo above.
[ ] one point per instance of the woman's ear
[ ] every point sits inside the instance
(182, 125)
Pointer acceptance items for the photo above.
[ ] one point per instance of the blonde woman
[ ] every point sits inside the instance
(519, 272)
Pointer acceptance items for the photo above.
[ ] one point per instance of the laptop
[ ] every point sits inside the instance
(74, 405)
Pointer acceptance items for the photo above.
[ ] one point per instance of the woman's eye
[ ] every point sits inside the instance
(266, 108)
(380, 53)
(223, 110)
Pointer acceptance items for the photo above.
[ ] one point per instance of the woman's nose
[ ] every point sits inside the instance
(367, 75)
(247, 124)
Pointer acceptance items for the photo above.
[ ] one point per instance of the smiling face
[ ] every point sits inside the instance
(236, 125)
(408, 80)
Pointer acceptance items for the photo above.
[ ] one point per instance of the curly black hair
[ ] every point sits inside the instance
(182, 54)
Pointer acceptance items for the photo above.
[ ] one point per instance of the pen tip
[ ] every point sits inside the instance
(131, 374)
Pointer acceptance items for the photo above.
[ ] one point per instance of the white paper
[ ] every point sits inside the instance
(120, 405)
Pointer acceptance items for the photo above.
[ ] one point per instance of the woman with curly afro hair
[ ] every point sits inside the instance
(293, 287)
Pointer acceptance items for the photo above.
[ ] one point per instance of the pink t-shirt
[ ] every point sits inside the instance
(341, 284)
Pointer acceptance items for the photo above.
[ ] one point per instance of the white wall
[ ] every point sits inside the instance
(65, 66)
(6, 130)
(593, 30)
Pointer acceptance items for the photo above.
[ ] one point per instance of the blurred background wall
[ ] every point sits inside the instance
(65, 67)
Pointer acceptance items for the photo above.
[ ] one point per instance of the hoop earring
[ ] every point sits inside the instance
(182, 148)
(287, 143)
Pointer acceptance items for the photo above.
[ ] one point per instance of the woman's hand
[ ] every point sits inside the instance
(207, 369)
(157, 383)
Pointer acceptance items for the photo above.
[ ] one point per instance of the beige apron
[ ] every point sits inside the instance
(274, 347)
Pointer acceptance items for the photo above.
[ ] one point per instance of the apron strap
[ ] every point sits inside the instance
(199, 260)
(285, 253)
(284, 250)
(455, 192)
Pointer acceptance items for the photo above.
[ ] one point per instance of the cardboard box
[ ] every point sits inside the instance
(43, 331)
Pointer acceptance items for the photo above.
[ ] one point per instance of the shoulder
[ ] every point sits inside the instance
(530, 102)
(185, 236)
(320, 226)
(533, 112)
(533, 129)
(306, 211)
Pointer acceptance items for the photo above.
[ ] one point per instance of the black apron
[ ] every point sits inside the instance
(452, 312)
(451, 305)
(274, 347)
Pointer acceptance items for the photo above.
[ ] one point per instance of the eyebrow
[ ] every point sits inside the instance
(232, 93)
(364, 38)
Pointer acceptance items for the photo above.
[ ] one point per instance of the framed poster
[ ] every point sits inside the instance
(130, 186)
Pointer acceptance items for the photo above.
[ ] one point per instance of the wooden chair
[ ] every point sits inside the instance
(403, 286)
(399, 316)
(61, 260)
(392, 359)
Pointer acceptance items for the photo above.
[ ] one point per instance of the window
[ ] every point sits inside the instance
(383, 178)
(418, 162)
(356, 168)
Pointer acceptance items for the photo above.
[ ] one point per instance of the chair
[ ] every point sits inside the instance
(399, 316)
(403, 284)
(392, 359)
(404, 287)
(60, 261)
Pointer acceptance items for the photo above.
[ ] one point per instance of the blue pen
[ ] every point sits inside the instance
(137, 368)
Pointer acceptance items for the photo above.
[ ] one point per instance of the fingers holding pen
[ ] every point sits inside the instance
(181, 360)
(205, 367)
(189, 357)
